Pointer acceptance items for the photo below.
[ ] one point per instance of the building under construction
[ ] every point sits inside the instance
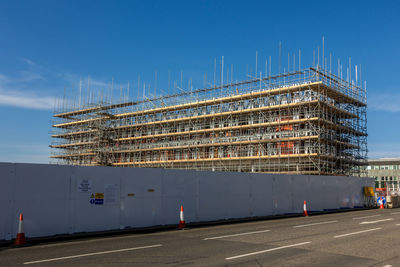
(308, 121)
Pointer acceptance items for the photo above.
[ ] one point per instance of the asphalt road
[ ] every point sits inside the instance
(357, 238)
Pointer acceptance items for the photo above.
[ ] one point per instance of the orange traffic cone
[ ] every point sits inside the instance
(182, 219)
(381, 206)
(305, 209)
(20, 239)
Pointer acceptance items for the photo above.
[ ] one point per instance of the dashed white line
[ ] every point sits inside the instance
(395, 213)
(91, 254)
(311, 224)
(383, 220)
(360, 232)
(357, 218)
(267, 250)
(248, 233)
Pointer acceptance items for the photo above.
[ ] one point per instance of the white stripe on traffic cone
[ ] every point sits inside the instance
(305, 213)
(20, 239)
(182, 219)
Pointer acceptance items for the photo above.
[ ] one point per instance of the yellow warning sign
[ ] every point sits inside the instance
(97, 199)
(368, 191)
(99, 195)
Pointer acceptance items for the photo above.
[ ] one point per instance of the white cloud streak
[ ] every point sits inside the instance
(28, 76)
(3, 79)
(75, 79)
(13, 93)
(10, 96)
(27, 61)
(384, 102)
(383, 154)
(24, 100)
(26, 153)
(28, 87)
(384, 150)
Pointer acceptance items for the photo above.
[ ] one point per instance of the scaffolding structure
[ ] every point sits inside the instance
(303, 122)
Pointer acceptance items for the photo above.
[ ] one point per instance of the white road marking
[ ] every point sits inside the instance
(395, 213)
(357, 218)
(384, 220)
(248, 233)
(91, 254)
(398, 224)
(311, 224)
(354, 233)
(267, 250)
(74, 242)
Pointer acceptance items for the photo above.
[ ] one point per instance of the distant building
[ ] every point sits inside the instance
(386, 172)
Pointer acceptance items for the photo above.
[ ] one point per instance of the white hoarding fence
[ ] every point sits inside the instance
(59, 199)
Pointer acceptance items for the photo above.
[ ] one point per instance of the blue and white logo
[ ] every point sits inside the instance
(381, 199)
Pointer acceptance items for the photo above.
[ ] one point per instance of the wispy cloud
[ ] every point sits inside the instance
(19, 90)
(3, 79)
(9, 96)
(384, 102)
(27, 61)
(29, 153)
(383, 154)
(28, 76)
(86, 81)
(384, 150)
(33, 86)
(26, 100)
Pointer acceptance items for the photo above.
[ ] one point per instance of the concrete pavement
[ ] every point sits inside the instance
(358, 238)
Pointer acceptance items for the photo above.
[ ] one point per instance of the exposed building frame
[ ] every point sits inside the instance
(305, 122)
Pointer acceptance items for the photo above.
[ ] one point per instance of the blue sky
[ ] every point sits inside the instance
(49, 46)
